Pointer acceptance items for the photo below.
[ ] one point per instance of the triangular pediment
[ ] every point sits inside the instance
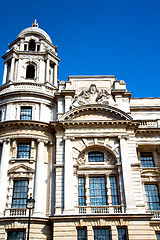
(95, 113)
(21, 168)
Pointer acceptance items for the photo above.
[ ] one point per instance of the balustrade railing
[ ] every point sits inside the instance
(100, 209)
(149, 123)
(18, 211)
(156, 214)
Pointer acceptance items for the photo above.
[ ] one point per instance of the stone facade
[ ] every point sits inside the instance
(86, 150)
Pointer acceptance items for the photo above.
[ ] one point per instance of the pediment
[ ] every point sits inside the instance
(21, 168)
(95, 112)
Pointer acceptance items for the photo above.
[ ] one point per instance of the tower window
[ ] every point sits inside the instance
(32, 45)
(30, 73)
(25, 47)
(38, 48)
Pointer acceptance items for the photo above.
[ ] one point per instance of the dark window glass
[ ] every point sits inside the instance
(147, 159)
(23, 150)
(122, 235)
(26, 113)
(158, 236)
(0, 116)
(81, 191)
(32, 45)
(15, 235)
(30, 73)
(101, 234)
(114, 192)
(96, 157)
(97, 191)
(20, 192)
(81, 234)
(152, 196)
(25, 47)
(38, 48)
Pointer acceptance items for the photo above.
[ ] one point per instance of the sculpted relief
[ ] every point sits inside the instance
(91, 96)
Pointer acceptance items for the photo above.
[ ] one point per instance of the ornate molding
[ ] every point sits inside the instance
(91, 96)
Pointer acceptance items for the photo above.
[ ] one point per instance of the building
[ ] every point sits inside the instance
(86, 150)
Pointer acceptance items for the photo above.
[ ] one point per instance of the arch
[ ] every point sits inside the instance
(30, 71)
(32, 45)
(112, 112)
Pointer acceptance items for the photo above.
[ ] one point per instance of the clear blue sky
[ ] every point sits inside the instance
(95, 37)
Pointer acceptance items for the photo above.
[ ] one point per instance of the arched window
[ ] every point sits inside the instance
(32, 45)
(30, 73)
(96, 157)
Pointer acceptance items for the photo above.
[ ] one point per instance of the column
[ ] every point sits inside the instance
(68, 178)
(55, 75)
(127, 176)
(3, 174)
(47, 70)
(12, 68)
(39, 181)
(5, 73)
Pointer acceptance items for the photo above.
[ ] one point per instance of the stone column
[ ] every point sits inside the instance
(68, 178)
(39, 181)
(12, 68)
(47, 70)
(3, 174)
(5, 73)
(127, 176)
(55, 75)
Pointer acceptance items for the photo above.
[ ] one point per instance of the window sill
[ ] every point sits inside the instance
(30, 160)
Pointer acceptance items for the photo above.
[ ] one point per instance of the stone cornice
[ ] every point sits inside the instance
(19, 123)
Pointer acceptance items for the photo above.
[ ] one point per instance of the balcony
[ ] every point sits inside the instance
(16, 212)
(156, 214)
(150, 123)
(101, 209)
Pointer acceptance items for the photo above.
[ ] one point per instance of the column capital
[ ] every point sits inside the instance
(7, 140)
(42, 140)
(125, 137)
(68, 138)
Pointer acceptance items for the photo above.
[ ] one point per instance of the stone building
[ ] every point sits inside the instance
(86, 150)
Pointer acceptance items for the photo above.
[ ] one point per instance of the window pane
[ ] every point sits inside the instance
(81, 191)
(20, 194)
(158, 236)
(114, 192)
(81, 234)
(101, 234)
(147, 159)
(152, 196)
(15, 235)
(122, 235)
(97, 191)
(0, 116)
(96, 157)
(26, 113)
(23, 150)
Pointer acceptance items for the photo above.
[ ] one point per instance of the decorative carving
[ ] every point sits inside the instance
(81, 160)
(110, 158)
(91, 96)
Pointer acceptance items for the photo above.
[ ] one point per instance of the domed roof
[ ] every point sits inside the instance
(35, 29)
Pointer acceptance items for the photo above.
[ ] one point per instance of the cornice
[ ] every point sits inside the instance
(19, 123)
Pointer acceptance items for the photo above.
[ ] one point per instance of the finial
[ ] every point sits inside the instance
(35, 24)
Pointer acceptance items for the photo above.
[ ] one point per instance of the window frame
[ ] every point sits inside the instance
(147, 163)
(95, 156)
(24, 115)
(85, 235)
(149, 197)
(99, 230)
(23, 154)
(126, 233)
(19, 192)
(116, 190)
(81, 191)
(16, 230)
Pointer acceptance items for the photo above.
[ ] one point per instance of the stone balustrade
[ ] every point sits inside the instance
(150, 123)
(100, 209)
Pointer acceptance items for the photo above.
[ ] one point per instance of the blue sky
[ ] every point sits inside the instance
(95, 37)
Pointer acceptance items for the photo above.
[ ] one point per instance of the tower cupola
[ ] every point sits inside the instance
(31, 57)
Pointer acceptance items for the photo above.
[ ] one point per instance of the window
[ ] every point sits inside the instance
(152, 196)
(32, 45)
(97, 191)
(23, 150)
(96, 157)
(20, 192)
(15, 235)
(0, 116)
(81, 191)
(158, 236)
(114, 192)
(38, 48)
(30, 73)
(25, 47)
(26, 113)
(81, 234)
(147, 159)
(101, 234)
(122, 234)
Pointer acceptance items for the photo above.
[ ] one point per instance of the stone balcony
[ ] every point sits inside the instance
(16, 212)
(27, 86)
(156, 214)
(149, 123)
(101, 209)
